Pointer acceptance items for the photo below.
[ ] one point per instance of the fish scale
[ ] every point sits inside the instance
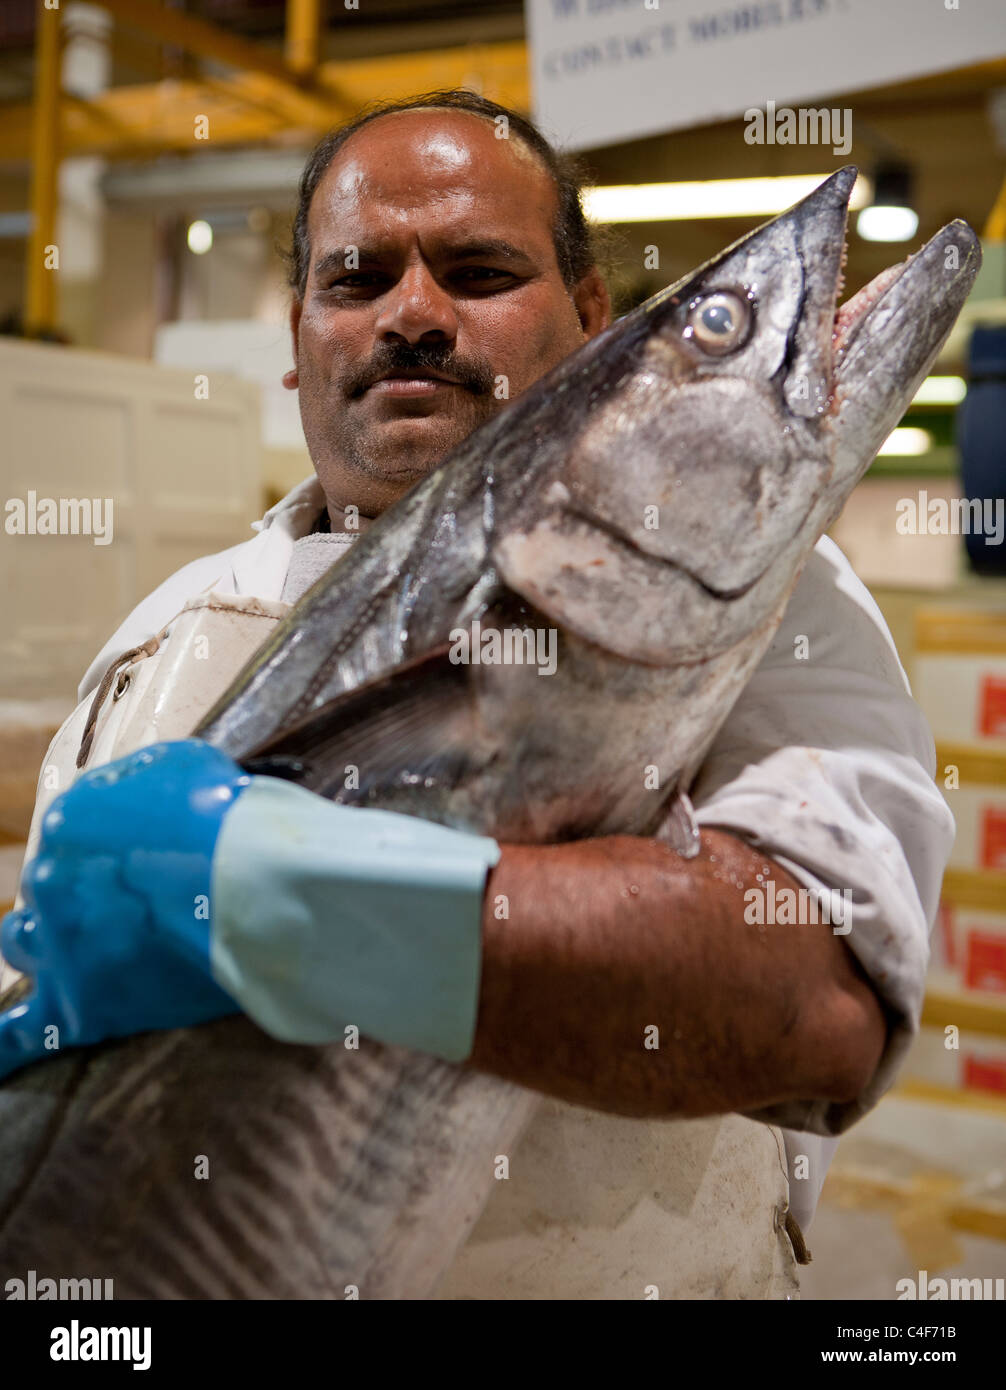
(369, 1167)
(217, 1091)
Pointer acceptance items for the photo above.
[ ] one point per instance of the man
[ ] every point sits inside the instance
(431, 259)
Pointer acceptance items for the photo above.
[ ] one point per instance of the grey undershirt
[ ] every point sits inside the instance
(312, 556)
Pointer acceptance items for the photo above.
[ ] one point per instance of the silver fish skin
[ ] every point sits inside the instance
(543, 520)
(332, 1170)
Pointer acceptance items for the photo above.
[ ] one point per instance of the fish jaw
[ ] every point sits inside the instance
(818, 225)
(886, 339)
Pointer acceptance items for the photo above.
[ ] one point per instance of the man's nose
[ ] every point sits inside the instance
(418, 310)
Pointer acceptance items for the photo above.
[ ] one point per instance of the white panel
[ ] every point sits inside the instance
(258, 352)
(867, 532)
(183, 478)
(182, 436)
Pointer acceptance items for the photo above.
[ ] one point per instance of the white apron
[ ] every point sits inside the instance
(596, 1206)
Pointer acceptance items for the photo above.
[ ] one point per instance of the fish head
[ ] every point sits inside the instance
(729, 417)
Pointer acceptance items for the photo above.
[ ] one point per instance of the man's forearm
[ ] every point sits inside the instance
(587, 946)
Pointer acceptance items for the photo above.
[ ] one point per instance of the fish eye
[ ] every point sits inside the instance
(718, 322)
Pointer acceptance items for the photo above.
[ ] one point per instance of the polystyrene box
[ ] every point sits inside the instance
(969, 951)
(973, 782)
(967, 1061)
(960, 674)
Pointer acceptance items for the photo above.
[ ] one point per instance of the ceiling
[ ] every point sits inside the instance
(950, 128)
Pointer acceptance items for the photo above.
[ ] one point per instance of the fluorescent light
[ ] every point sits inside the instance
(941, 390)
(200, 238)
(887, 223)
(669, 202)
(907, 440)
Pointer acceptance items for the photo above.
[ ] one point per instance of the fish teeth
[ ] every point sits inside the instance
(862, 302)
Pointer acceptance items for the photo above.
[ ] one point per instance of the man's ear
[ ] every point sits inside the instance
(593, 303)
(290, 379)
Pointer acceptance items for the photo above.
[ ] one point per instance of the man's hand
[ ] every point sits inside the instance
(115, 932)
(329, 916)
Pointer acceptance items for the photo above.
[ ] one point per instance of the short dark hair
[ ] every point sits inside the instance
(575, 248)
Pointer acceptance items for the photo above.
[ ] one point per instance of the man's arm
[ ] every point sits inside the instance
(604, 938)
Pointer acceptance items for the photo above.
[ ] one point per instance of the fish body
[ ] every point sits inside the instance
(647, 507)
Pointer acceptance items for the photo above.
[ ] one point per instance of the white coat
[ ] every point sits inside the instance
(825, 764)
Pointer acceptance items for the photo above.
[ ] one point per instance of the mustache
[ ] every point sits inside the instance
(473, 373)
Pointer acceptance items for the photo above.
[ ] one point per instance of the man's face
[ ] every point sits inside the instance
(433, 296)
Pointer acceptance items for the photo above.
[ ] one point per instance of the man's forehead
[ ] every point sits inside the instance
(406, 161)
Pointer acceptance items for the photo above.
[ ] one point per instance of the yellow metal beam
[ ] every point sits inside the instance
(995, 227)
(303, 35)
(301, 101)
(41, 286)
(126, 122)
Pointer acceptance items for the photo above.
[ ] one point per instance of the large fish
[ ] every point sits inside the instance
(651, 502)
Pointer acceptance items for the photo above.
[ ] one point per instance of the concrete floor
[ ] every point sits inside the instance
(886, 1211)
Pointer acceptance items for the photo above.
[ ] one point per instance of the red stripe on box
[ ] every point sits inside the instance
(992, 707)
(986, 961)
(946, 919)
(993, 837)
(983, 1075)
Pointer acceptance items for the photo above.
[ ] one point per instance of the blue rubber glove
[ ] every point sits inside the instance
(116, 928)
(323, 917)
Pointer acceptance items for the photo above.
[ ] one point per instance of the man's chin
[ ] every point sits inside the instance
(415, 445)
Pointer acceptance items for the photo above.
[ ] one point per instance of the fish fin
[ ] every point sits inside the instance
(680, 829)
(414, 725)
(290, 769)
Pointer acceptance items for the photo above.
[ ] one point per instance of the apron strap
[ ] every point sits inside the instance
(147, 648)
(796, 1239)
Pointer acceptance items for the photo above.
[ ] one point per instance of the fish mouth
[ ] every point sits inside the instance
(851, 313)
(886, 337)
(883, 339)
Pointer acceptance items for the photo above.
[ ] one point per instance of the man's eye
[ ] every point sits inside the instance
(358, 283)
(482, 272)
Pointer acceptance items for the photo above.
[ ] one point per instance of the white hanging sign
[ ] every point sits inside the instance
(610, 70)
